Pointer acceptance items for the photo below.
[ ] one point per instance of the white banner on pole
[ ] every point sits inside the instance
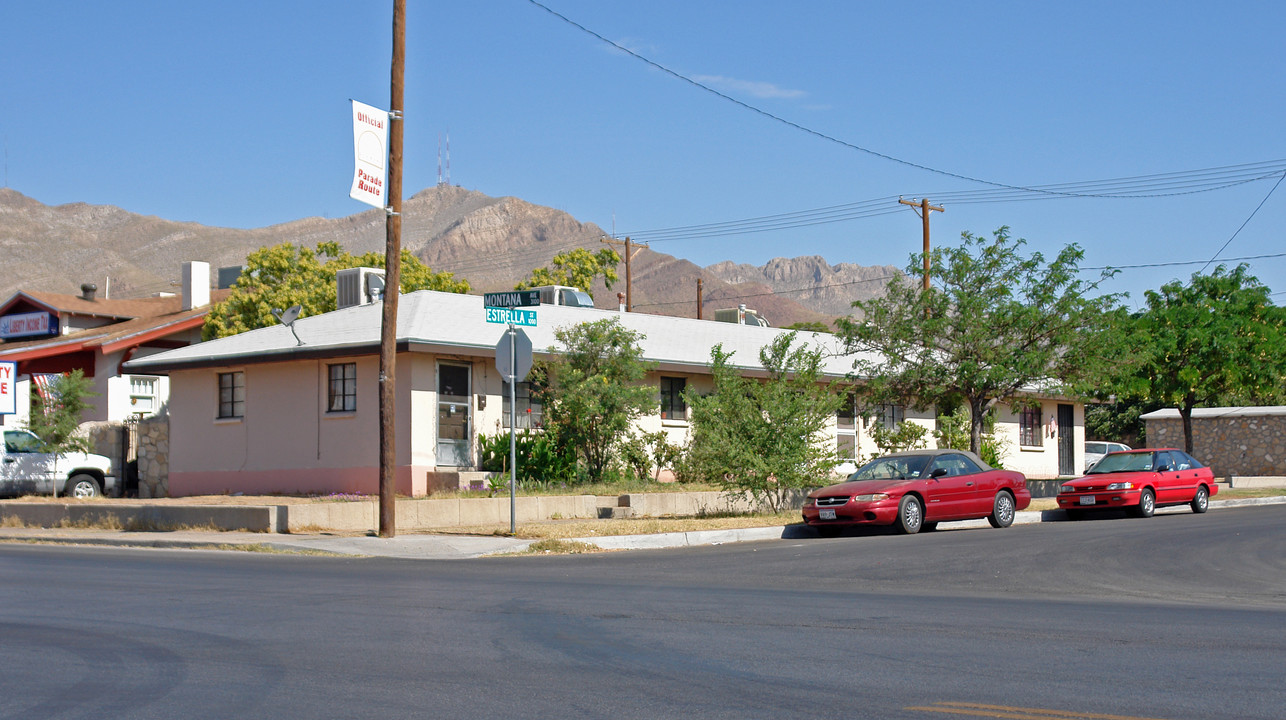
(370, 155)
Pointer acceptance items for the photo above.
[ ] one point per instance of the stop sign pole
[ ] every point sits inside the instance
(513, 360)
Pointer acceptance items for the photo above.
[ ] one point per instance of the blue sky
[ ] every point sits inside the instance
(236, 114)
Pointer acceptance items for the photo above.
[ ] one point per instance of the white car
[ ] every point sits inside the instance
(24, 469)
(1094, 451)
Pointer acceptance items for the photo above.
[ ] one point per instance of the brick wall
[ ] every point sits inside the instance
(1236, 445)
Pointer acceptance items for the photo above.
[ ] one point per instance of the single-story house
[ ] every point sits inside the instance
(1241, 441)
(296, 409)
(47, 334)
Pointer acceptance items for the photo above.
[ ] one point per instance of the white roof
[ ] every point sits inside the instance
(1219, 412)
(431, 321)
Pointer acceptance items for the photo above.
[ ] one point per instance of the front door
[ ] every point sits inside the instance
(1066, 444)
(454, 416)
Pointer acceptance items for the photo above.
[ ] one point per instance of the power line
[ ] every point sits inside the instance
(1189, 262)
(1052, 190)
(1243, 225)
(780, 292)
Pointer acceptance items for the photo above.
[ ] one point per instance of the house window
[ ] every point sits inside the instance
(341, 394)
(142, 395)
(531, 413)
(1029, 427)
(846, 429)
(891, 415)
(672, 405)
(232, 394)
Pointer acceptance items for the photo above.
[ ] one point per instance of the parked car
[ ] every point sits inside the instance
(25, 469)
(1140, 481)
(916, 490)
(1095, 450)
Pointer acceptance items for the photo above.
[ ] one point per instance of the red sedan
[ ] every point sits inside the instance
(916, 490)
(1140, 481)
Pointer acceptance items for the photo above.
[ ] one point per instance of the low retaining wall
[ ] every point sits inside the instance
(1239, 482)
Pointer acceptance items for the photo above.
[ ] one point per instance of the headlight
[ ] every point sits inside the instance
(871, 498)
(1067, 489)
(1120, 486)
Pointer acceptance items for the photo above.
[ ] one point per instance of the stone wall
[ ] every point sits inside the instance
(154, 457)
(1253, 445)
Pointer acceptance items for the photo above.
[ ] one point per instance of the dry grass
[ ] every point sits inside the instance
(563, 529)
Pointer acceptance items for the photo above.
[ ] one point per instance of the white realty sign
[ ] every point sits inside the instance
(370, 155)
(8, 395)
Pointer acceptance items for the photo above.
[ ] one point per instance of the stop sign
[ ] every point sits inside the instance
(520, 355)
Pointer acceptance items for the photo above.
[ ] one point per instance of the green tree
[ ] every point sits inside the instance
(576, 268)
(591, 391)
(764, 437)
(1217, 339)
(56, 415)
(280, 276)
(993, 323)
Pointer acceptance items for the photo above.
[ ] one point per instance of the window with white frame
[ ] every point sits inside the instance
(1029, 432)
(890, 415)
(846, 429)
(232, 394)
(143, 394)
(531, 414)
(673, 407)
(341, 392)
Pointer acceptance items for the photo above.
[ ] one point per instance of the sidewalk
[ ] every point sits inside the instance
(426, 546)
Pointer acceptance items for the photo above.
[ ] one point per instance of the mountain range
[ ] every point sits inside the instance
(491, 242)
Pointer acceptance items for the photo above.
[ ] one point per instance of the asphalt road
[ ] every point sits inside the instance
(1178, 617)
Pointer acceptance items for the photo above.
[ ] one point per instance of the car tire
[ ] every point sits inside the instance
(910, 515)
(1002, 510)
(83, 486)
(828, 531)
(1147, 504)
(1201, 501)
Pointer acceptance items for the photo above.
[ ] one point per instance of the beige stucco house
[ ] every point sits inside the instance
(266, 412)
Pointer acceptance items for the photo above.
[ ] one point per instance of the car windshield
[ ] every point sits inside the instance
(1123, 462)
(906, 466)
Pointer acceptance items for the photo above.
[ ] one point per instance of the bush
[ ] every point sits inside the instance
(538, 460)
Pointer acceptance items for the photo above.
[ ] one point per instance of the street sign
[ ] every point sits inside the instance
(515, 298)
(521, 356)
(511, 316)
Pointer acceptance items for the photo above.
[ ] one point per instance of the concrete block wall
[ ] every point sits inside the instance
(1245, 445)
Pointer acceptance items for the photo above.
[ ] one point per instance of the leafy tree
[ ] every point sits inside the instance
(764, 437)
(903, 436)
(591, 391)
(576, 268)
(993, 323)
(283, 275)
(1217, 339)
(810, 326)
(55, 415)
(953, 432)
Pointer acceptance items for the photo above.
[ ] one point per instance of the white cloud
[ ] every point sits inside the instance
(750, 87)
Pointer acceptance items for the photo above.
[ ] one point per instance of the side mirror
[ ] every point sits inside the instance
(938, 472)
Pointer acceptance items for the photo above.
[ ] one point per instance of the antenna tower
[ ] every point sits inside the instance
(448, 157)
(439, 158)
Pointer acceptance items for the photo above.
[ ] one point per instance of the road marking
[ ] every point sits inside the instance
(1017, 713)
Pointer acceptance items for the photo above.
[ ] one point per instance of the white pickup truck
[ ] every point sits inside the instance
(25, 470)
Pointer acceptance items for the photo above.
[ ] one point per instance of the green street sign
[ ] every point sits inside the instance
(513, 298)
(511, 316)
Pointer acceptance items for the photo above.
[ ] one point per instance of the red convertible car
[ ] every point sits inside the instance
(1140, 481)
(916, 490)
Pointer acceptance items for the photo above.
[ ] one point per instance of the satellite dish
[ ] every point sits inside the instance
(288, 318)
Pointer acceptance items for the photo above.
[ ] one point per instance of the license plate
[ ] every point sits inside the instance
(1087, 500)
(826, 514)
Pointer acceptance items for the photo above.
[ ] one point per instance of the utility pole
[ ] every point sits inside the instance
(700, 293)
(922, 209)
(629, 275)
(392, 281)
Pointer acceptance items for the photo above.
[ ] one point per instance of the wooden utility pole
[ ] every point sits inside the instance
(629, 275)
(392, 282)
(700, 293)
(922, 209)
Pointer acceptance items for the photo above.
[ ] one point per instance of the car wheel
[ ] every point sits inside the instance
(1002, 512)
(83, 486)
(1147, 504)
(910, 515)
(1201, 502)
(828, 531)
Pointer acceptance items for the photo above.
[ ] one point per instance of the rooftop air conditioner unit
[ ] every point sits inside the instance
(359, 286)
(741, 315)
(564, 295)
